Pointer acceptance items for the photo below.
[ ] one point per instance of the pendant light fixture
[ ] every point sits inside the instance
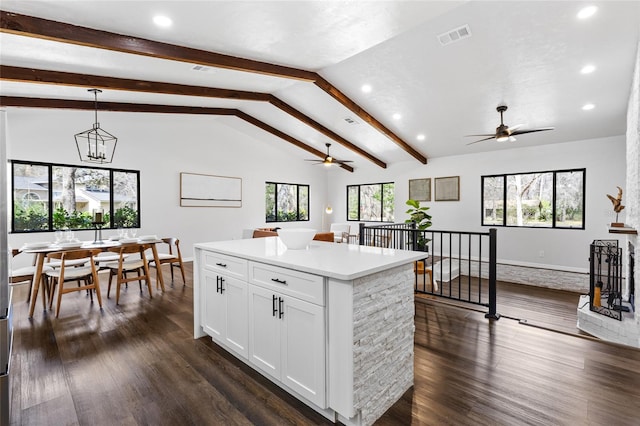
(96, 145)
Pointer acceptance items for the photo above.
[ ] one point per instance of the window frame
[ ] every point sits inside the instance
(298, 186)
(50, 201)
(554, 189)
(359, 186)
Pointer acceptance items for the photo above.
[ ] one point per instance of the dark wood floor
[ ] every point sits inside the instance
(138, 364)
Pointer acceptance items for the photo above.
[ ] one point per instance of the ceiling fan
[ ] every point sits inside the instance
(329, 160)
(505, 133)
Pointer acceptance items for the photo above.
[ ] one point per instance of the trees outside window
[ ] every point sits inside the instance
(49, 197)
(543, 199)
(371, 202)
(286, 202)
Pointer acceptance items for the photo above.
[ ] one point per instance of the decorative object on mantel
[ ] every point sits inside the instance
(96, 145)
(617, 207)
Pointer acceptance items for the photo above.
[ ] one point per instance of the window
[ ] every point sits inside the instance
(286, 202)
(371, 202)
(541, 200)
(48, 197)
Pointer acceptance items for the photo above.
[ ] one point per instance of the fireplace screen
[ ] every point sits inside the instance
(605, 278)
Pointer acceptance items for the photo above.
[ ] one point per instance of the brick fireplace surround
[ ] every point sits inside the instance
(627, 331)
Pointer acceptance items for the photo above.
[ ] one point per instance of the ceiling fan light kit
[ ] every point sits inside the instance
(328, 160)
(505, 133)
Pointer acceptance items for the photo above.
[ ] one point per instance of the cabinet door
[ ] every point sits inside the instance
(237, 324)
(213, 312)
(264, 331)
(303, 349)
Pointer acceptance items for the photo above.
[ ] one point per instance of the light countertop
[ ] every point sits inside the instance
(339, 261)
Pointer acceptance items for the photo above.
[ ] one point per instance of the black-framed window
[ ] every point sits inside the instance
(373, 202)
(550, 199)
(48, 197)
(286, 202)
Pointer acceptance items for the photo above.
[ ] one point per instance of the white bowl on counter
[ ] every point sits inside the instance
(296, 238)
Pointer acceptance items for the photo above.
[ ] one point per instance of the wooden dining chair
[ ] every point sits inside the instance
(25, 275)
(324, 236)
(127, 263)
(68, 271)
(173, 258)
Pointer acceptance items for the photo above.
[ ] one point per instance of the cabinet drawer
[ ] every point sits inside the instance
(296, 284)
(228, 265)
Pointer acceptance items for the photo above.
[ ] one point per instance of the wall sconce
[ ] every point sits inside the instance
(96, 145)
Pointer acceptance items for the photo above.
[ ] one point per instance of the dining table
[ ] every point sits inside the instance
(41, 251)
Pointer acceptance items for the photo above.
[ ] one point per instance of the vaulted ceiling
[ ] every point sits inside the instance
(292, 72)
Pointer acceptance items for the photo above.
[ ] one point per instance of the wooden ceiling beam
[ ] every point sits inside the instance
(52, 30)
(100, 82)
(324, 130)
(264, 126)
(360, 112)
(30, 26)
(15, 101)
(94, 81)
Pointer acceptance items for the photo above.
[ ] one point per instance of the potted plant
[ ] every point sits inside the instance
(422, 220)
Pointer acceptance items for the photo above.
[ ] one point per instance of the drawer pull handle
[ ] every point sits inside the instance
(280, 303)
(221, 285)
(222, 265)
(279, 281)
(275, 308)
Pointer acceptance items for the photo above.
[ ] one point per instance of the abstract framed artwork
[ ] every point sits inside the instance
(420, 189)
(198, 190)
(447, 188)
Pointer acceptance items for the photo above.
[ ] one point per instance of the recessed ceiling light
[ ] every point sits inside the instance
(397, 116)
(366, 88)
(588, 69)
(420, 137)
(587, 12)
(588, 107)
(162, 21)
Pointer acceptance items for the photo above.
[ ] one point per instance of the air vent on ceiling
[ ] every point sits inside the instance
(202, 68)
(350, 120)
(454, 35)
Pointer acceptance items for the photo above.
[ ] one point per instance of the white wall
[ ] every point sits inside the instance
(162, 146)
(604, 160)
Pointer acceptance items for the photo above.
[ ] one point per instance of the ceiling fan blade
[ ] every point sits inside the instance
(514, 128)
(522, 132)
(342, 161)
(511, 139)
(488, 134)
(485, 139)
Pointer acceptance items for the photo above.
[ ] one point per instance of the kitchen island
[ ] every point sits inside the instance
(331, 324)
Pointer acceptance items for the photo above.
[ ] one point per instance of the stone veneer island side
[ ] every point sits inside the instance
(332, 324)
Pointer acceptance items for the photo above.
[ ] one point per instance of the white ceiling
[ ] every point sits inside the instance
(526, 54)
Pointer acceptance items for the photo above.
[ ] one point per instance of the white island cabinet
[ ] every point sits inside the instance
(332, 324)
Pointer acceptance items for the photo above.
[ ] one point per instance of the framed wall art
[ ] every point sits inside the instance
(447, 188)
(197, 190)
(420, 189)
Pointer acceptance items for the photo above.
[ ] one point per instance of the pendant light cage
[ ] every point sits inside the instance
(96, 145)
